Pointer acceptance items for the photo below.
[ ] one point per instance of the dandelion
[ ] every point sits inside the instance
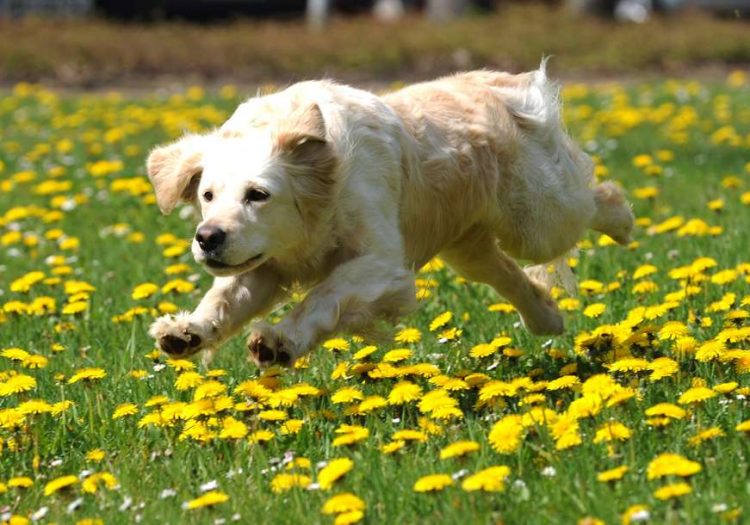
(145, 290)
(17, 384)
(696, 395)
(595, 310)
(491, 479)
(441, 320)
(59, 484)
(408, 335)
(344, 502)
(458, 449)
(337, 344)
(284, 482)
(347, 395)
(613, 431)
(333, 471)
(87, 374)
(505, 435)
(209, 499)
(706, 435)
(669, 464)
(409, 435)
(404, 392)
(433, 483)
(614, 474)
(674, 490)
(20, 482)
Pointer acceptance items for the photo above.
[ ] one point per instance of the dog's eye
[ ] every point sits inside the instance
(208, 196)
(256, 195)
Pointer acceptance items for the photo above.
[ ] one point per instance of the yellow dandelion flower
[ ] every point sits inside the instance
(59, 484)
(393, 446)
(347, 394)
(669, 464)
(350, 434)
(333, 471)
(91, 484)
(674, 490)
(261, 436)
(336, 345)
(441, 320)
(612, 474)
(188, 380)
(706, 435)
(696, 395)
(87, 374)
(409, 435)
(594, 310)
(666, 410)
(178, 285)
(433, 483)
(408, 335)
(506, 435)
(458, 449)
(143, 291)
(20, 482)
(397, 355)
(482, 350)
(232, 428)
(209, 499)
(404, 392)
(612, 431)
(17, 384)
(291, 427)
(371, 403)
(345, 502)
(15, 354)
(285, 481)
(563, 382)
(95, 455)
(491, 479)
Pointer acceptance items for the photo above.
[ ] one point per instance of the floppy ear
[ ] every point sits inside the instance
(175, 171)
(309, 159)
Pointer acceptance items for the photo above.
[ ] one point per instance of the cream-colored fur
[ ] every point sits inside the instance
(359, 191)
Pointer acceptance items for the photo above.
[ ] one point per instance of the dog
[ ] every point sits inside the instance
(347, 193)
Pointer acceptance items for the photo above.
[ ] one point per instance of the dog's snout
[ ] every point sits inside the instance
(210, 237)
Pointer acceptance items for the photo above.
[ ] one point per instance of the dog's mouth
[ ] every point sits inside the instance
(221, 268)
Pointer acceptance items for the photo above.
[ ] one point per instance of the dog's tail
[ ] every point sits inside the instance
(536, 106)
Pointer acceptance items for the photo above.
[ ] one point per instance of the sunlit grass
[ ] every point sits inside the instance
(638, 412)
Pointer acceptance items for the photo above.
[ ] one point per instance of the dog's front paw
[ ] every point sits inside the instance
(268, 347)
(178, 336)
(545, 317)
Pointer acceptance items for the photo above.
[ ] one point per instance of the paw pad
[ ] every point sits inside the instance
(265, 355)
(178, 346)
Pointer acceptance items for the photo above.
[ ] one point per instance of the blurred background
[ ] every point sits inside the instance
(92, 43)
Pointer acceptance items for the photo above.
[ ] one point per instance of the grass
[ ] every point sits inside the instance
(76, 207)
(96, 52)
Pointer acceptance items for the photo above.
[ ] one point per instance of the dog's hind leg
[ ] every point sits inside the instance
(613, 214)
(477, 257)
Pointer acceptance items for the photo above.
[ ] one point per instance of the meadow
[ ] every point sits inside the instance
(637, 414)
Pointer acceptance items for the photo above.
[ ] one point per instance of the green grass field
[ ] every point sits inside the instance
(655, 360)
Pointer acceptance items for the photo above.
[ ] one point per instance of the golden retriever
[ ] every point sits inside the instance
(347, 193)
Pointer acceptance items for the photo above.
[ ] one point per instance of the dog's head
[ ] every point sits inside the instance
(261, 189)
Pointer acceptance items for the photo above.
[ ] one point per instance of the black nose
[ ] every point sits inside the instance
(210, 237)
